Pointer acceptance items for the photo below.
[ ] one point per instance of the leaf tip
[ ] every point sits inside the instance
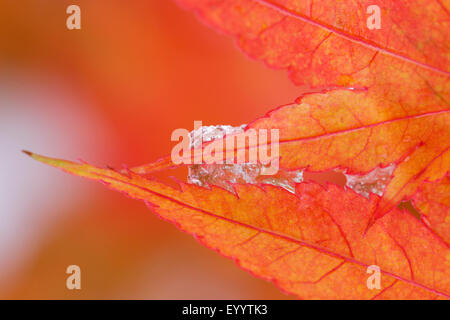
(47, 160)
(35, 156)
(28, 153)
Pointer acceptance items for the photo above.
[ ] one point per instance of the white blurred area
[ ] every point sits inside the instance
(40, 113)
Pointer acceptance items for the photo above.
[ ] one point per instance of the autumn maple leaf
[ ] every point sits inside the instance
(382, 101)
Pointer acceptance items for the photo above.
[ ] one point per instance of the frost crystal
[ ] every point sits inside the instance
(223, 175)
(373, 182)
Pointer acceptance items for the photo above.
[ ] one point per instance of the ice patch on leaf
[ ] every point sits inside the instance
(373, 182)
(211, 133)
(223, 175)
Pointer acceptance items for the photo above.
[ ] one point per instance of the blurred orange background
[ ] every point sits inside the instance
(112, 93)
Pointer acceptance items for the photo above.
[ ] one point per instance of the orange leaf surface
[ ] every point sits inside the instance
(433, 202)
(310, 243)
